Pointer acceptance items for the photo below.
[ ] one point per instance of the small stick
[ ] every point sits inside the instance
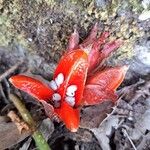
(3, 95)
(127, 135)
(9, 71)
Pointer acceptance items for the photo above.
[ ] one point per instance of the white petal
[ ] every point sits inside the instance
(56, 97)
(69, 93)
(71, 90)
(70, 100)
(53, 85)
(59, 79)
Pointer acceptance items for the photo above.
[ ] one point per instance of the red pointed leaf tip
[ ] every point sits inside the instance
(111, 46)
(102, 86)
(69, 116)
(32, 86)
(109, 78)
(91, 37)
(94, 53)
(73, 40)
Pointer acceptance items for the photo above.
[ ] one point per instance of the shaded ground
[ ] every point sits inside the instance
(38, 31)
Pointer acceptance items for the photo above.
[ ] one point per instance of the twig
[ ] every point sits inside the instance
(127, 135)
(7, 88)
(9, 71)
(113, 111)
(3, 95)
(37, 136)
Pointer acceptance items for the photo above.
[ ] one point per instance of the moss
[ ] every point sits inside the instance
(43, 26)
(136, 5)
(10, 13)
(48, 2)
(81, 2)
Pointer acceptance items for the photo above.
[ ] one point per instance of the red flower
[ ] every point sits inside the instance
(77, 80)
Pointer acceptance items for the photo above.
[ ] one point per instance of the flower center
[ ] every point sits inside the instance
(70, 93)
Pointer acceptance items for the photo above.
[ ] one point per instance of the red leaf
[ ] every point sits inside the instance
(94, 94)
(94, 53)
(32, 86)
(109, 78)
(91, 37)
(74, 67)
(69, 116)
(110, 47)
(102, 86)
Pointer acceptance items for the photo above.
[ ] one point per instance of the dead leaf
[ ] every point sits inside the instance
(10, 135)
(47, 128)
(92, 116)
(105, 130)
(21, 125)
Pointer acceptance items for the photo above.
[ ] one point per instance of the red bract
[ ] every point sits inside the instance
(76, 80)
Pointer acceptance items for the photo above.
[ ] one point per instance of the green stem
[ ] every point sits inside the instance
(37, 135)
(40, 141)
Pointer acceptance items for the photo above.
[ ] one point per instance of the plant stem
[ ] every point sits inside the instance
(40, 141)
(37, 135)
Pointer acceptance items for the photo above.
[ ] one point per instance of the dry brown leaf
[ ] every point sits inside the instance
(10, 135)
(21, 125)
(92, 116)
